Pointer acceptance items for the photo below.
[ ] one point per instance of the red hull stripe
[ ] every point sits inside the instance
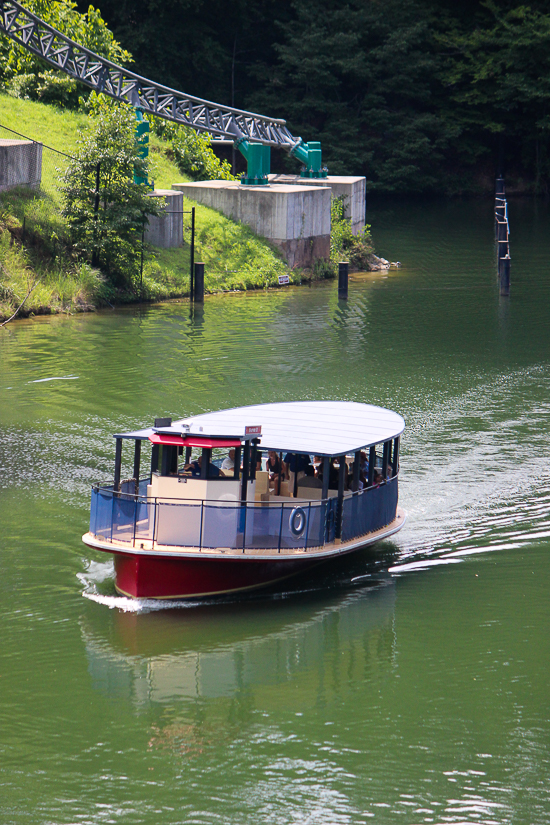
(194, 441)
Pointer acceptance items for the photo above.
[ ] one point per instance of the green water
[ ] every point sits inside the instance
(409, 684)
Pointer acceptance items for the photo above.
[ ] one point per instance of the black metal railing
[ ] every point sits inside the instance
(134, 519)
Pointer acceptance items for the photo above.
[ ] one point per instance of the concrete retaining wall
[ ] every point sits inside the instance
(20, 164)
(296, 218)
(354, 189)
(166, 230)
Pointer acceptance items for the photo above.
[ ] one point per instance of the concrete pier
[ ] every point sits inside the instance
(295, 217)
(20, 164)
(166, 230)
(354, 189)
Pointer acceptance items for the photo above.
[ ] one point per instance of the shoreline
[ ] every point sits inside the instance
(79, 307)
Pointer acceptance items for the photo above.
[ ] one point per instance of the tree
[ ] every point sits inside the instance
(497, 74)
(113, 231)
(418, 95)
(25, 75)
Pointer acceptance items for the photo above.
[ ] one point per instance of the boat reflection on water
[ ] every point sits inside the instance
(284, 651)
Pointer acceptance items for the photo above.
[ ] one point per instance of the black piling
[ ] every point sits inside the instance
(343, 272)
(502, 235)
(192, 259)
(199, 283)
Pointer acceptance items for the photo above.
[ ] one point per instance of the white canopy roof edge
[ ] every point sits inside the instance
(326, 428)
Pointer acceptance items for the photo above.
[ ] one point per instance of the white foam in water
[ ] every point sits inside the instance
(480, 491)
(98, 572)
(55, 378)
(121, 602)
(421, 565)
(128, 605)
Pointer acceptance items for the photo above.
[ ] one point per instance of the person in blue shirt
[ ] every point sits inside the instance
(296, 463)
(195, 469)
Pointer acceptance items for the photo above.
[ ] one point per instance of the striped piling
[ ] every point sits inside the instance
(502, 236)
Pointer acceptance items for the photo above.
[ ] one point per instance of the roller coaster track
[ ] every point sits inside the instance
(31, 32)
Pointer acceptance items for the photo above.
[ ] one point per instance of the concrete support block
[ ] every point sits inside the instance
(354, 190)
(294, 218)
(20, 164)
(166, 230)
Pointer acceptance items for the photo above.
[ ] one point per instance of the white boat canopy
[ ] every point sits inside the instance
(324, 428)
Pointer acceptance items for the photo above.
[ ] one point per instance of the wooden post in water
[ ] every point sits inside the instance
(343, 271)
(192, 260)
(199, 283)
(502, 233)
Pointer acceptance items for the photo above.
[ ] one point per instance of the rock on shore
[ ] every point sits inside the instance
(375, 263)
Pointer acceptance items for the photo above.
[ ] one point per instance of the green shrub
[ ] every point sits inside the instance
(113, 234)
(192, 151)
(343, 243)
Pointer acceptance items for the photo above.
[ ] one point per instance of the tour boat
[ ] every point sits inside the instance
(213, 525)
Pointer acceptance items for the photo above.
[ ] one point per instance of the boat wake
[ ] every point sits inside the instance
(486, 488)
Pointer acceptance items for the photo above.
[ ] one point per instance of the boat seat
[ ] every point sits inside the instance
(262, 482)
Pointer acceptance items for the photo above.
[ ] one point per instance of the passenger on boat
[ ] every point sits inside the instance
(195, 468)
(377, 479)
(295, 464)
(362, 480)
(229, 462)
(274, 466)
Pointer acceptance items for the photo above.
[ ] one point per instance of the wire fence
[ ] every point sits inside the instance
(38, 170)
(42, 166)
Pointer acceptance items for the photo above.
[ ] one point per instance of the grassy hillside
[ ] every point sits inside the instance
(33, 234)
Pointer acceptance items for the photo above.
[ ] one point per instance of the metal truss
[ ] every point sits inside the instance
(100, 74)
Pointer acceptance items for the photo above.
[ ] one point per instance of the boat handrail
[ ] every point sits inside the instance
(200, 524)
(109, 487)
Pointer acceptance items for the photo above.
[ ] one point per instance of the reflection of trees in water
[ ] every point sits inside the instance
(224, 672)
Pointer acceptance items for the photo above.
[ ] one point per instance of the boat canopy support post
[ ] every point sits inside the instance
(237, 463)
(205, 461)
(118, 464)
(246, 471)
(395, 460)
(340, 506)
(372, 462)
(137, 463)
(326, 474)
(356, 460)
(385, 458)
(253, 458)
(154, 458)
(167, 459)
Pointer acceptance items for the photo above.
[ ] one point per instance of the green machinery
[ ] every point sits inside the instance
(142, 140)
(258, 159)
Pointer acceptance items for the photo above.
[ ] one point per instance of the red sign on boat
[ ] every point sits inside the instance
(253, 430)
